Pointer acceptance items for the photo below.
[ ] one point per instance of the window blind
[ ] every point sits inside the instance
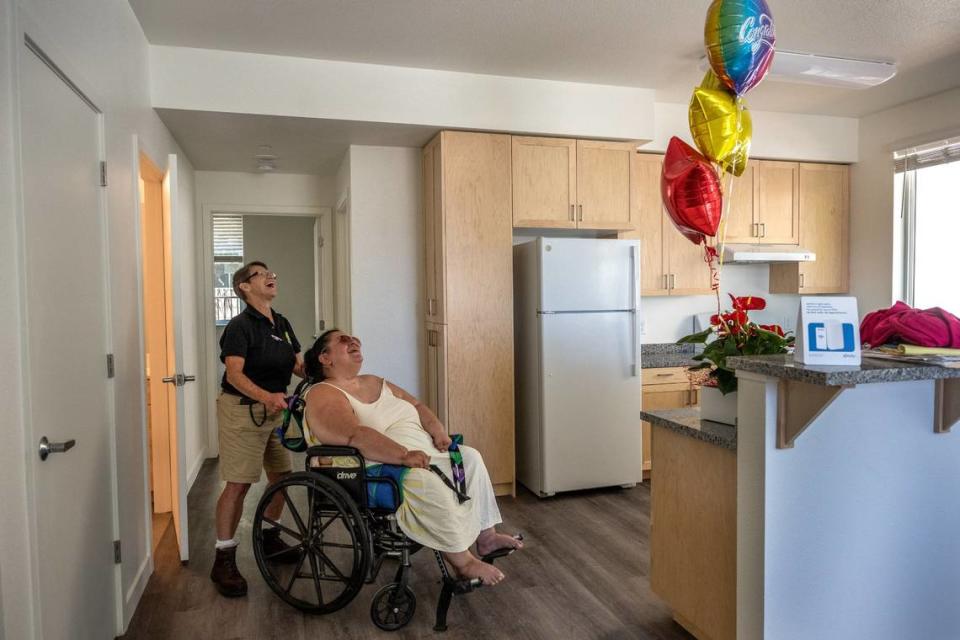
(228, 236)
(928, 155)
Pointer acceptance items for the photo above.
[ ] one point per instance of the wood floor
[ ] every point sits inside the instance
(584, 574)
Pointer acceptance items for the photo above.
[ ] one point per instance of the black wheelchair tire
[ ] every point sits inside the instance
(392, 616)
(347, 508)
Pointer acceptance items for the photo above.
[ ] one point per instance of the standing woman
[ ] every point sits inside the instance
(260, 352)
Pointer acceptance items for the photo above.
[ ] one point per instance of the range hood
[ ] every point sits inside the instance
(759, 253)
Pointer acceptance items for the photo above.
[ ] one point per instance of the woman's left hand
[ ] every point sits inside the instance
(442, 441)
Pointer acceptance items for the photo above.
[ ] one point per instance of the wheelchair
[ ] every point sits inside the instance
(343, 529)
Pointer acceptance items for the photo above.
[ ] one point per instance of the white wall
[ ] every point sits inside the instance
(236, 82)
(100, 44)
(776, 136)
(387, 267)
(871, 188)
(269, 189)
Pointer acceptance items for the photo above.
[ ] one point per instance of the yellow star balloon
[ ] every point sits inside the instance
(721, 128)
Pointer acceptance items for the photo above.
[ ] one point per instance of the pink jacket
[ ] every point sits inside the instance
(902, 323)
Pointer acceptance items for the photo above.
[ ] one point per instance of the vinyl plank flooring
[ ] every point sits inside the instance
(584, 575)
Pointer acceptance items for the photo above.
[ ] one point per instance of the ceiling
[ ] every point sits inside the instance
(642, 43)
(228, 141)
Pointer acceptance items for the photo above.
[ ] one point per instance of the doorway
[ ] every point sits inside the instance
(294, 241)
(159, 346)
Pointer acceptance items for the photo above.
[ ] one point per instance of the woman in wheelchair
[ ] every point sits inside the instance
(388, 425)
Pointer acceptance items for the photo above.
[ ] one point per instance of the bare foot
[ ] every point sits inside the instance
(475, 568)
(489, 541)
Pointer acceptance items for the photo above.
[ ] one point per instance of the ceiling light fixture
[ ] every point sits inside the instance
(809, 68)
(266, 160)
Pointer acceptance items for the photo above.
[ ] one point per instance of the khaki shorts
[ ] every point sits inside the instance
(245, 448)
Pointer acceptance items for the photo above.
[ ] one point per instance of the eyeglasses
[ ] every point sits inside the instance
(343, 338)
(270, 275)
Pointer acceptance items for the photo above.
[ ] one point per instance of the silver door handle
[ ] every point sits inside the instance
(756, 229)
(47, 447)
(580, 212)
(170, 380)
(189, 379)
(573, 216)
(801, 281)
(763, 229)
(673, 281)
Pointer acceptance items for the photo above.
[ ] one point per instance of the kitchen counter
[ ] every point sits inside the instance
(687, 422)
(872, 370)
(661, 355)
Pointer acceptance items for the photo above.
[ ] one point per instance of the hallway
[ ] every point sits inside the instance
(583, 575)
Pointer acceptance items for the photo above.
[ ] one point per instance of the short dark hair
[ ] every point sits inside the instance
(311, 359)
(242, 274)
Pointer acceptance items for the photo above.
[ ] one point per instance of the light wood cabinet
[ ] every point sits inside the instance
(470, 365)
(742, 214)
(763, 204)
(669, 263)
(664, 388)
(544, 182)
(824, 208)
(559, 183)
(777, 210)
(433, 227)
(436, 395)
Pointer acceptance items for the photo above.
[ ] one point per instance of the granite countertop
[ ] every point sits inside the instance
(872, 370)
(687, 422)
(658, 356)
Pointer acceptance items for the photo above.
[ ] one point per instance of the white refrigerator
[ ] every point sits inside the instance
(577, 337)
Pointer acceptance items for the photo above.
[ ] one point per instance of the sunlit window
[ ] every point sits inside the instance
(926, 188)
(227, 259)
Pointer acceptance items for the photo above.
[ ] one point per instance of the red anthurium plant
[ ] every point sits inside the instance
(734, 334)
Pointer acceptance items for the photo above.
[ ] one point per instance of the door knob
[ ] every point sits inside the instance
(47, 447)
(171, 380)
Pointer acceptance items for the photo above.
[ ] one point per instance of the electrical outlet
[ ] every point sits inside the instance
(643, 327)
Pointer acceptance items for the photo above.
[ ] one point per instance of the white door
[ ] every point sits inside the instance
(65, 268)
(591, 401)
(580, 274)
(182, 313)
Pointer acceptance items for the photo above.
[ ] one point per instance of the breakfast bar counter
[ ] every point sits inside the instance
(831, 511)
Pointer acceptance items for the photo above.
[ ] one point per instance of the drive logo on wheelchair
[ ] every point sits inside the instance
(344, 475)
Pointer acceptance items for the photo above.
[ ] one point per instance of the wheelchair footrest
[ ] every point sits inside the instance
(460, 587)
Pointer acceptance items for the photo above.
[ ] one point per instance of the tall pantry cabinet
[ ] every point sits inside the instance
(468, 223)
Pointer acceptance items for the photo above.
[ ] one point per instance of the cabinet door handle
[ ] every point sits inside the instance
(673, 281)
(580, 212)
(763, 229)
(801, 281)
(432, 338)
(431, 306)
(573, 216)
(665, 284)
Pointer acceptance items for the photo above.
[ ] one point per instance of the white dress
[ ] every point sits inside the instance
(430, 513)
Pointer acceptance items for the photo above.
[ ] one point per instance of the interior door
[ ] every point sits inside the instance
(67, 325)
(181, 320)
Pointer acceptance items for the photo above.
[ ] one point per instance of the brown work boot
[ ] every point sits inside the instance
(276, 550)
(226, 575)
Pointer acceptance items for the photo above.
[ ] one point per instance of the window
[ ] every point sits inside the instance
(227, 259)
(926, 185)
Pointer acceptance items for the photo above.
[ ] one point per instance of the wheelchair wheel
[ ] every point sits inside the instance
(393, 607)
(322, 524)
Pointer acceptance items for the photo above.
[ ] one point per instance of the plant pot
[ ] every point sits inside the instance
(718, 407)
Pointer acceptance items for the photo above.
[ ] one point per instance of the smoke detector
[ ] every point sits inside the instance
(266, 160)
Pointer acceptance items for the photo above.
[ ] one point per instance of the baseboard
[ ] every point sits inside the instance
(135, 592)
(195, 468)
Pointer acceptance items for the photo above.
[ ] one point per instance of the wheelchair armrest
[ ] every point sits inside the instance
(325, 450)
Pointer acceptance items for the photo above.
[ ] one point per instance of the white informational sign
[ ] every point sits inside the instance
(828, 331)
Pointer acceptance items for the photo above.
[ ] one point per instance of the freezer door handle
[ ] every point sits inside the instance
(635, 294)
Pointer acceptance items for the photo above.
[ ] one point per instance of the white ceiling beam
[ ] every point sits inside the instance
(237, 82)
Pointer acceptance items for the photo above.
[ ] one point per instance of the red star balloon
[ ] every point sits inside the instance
(690, 190)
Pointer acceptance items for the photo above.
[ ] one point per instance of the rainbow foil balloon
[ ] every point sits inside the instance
(740, 38)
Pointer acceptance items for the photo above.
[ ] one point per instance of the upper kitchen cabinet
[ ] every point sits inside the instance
(824, 204)
(763, 204)
(603, 185)
(742, 221)
(560, 183)
(544, 183)
(776, 202)
(669, 263)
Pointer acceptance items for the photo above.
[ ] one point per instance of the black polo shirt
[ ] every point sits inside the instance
(269, 349)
